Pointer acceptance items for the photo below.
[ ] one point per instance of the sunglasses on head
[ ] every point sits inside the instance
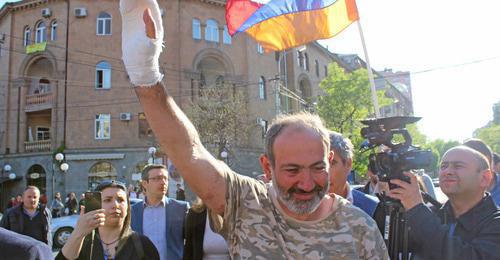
(111, 183)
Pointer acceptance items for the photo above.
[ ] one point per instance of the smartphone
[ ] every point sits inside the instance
(92, 201)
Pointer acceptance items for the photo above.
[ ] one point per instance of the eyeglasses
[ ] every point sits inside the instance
(110, 183)
(158, 178)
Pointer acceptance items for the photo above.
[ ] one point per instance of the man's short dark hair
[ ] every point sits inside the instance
(496, 158)
(480, 146)
(149, 167)
(341, 145)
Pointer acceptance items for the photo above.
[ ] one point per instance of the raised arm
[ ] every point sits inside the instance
(174, 131)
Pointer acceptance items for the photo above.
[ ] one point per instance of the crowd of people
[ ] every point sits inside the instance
(302, 208)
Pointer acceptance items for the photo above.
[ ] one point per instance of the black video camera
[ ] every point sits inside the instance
(398, 157)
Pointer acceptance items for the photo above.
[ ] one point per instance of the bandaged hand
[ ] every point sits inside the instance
(141, 50)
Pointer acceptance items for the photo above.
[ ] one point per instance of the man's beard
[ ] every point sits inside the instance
(300, 207)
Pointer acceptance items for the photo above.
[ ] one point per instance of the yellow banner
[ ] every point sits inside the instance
(36, 47)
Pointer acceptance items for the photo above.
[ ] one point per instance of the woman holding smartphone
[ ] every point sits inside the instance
(113, 238)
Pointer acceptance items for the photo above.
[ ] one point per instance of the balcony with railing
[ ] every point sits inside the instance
(37, 146)
(39, 96)
(36, 102)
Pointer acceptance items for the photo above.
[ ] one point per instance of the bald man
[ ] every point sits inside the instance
(468, 225)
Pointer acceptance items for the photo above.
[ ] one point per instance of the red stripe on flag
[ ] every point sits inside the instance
(352, 10)
(237, 12)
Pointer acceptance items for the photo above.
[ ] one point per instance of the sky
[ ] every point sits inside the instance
(451, 48)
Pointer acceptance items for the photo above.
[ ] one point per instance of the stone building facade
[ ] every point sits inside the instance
(63, 88)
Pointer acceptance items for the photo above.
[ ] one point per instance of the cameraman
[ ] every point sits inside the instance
(468, 225)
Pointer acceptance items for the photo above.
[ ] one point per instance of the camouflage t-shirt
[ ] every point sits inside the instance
(255, 228)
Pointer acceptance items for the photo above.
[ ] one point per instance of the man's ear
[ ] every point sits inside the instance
(486, 178)
(330, 157)
(265, 163)
(349, 163)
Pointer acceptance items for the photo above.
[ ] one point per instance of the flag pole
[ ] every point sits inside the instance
(370, 73)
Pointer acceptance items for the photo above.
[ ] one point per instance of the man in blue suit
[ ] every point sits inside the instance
(160, 218)
(339, 171)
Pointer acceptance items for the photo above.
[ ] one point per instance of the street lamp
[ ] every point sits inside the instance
(6, 170)
(7, 167)
(224, 155)
(152, 152)
(63, 166)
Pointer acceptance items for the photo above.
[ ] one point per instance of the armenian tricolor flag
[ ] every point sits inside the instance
(282, 24)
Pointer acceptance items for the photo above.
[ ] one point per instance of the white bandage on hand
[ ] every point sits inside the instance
(139, 53)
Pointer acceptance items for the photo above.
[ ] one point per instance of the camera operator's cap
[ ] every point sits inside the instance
(110, 183)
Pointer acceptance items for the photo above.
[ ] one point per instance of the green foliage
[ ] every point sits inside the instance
(490, 135)
(347, 100)
(220, 115)
(438, 148)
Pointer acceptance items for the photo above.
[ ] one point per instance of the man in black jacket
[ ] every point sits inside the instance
(30, 218)
(468, 225)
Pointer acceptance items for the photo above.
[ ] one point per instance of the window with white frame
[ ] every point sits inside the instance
(316, 67)
(306, 62)
(219, 81)
(262, 87)
(53, 30)
(42, 133)
(300, 59)
(103, 75)
(226, 38)
(260, 49)
(212, 31)
(196, 29)
(27, 36)
(40, 33)
(43, 87)
(104, 24)
(103, 126)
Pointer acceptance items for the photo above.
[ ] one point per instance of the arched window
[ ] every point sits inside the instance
(226, 38)
(300, 59)
(37, 176)
(306, 61)
(201, 84)
(104, 24)
(41, 32)
(260, 49)
(99, 172)
(53, 30)
(27, 36)
(196, 29)
(43, 87)
(316, 67)
(326, 71)
(212, 31)
(262, 87)
(103, 75)
(219, 81)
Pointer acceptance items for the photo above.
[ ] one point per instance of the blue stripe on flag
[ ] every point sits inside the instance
(281, 7)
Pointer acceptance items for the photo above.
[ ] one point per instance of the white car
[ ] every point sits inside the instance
(63, 226)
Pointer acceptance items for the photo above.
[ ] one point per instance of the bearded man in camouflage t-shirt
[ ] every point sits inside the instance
(293, 217)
